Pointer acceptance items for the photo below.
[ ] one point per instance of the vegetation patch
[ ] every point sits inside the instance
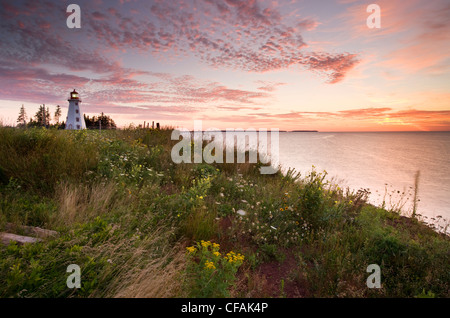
(139, 225)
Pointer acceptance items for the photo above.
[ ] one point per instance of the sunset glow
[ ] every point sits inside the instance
(291, 65)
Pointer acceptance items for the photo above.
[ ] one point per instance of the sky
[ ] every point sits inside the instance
(291, 65)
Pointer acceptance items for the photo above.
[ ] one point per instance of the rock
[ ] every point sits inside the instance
(6, 238)
(30, 230)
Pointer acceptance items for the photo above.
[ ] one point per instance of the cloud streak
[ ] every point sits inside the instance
(363, 118)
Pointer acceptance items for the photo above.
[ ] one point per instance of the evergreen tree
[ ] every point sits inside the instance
(103, 121)
(42, 116)
(22, 119)
(48, 117)
(57, 114)
(39, 116)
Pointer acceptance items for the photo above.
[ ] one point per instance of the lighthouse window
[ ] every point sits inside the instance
(78, 119)
(76, 103)
(78, 126)
(76, 111)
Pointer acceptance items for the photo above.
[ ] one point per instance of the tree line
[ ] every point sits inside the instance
(43, 118)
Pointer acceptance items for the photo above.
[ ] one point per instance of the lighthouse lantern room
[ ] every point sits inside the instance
(75, 118)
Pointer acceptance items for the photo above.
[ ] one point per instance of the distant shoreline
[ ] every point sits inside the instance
(224, 130)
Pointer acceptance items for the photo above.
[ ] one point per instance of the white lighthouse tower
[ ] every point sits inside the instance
(75, 118)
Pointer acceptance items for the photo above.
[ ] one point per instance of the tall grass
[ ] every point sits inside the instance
(416, 193)
(82, 203)
(40, 158)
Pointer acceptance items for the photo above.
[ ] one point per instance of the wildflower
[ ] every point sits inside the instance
(191, 249)
(232, 257)
(205, 244)
(241, 212)
(209, 265)
(216, 254)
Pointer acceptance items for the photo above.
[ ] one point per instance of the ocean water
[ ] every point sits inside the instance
(385, 163)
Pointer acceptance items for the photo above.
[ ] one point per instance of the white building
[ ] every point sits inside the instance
(75, 118)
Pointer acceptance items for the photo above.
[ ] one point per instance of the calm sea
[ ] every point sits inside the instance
(385, 163)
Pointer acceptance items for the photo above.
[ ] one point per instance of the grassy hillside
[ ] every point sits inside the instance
(139, 225)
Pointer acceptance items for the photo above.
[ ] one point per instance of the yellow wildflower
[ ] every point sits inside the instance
(191, 249)
(205, 244)
(232, 257)
(209, 265)
(215, 246)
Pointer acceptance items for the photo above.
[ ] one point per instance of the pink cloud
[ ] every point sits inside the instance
(269, 86)
(230, 34)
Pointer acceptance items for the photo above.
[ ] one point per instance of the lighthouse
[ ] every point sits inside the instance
(75, 118)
